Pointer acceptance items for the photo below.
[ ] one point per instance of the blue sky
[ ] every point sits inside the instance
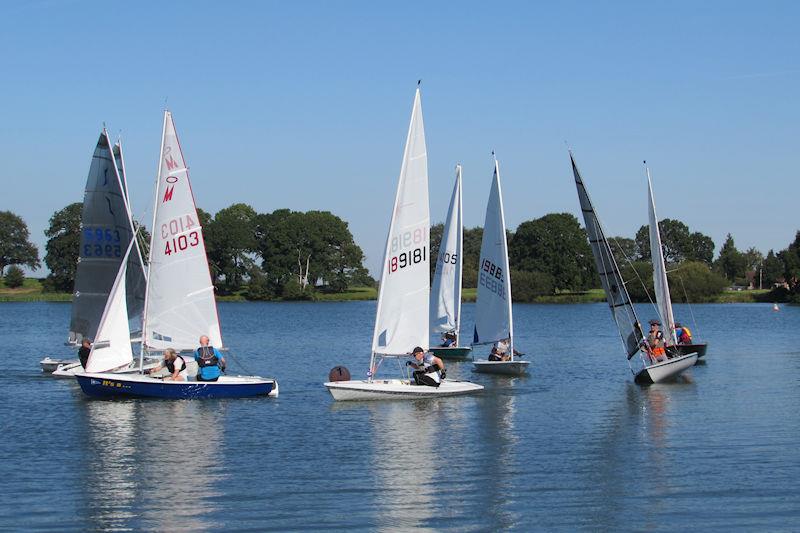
(306, 105)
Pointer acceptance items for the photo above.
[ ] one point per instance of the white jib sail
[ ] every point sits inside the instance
(493, 320)
(660, 285)
(180, 304)
(402, 320)
(446, 288)
(112, 345)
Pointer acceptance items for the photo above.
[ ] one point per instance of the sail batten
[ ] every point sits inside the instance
(401, 321)
(619, 302)
(180, 304)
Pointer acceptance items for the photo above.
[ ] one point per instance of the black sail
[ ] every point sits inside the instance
(619, 301)
(105, 234)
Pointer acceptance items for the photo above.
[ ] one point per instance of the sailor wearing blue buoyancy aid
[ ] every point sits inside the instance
(209, 361)
(430, 369)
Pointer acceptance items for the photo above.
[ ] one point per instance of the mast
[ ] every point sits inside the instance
(504, 243)
(152, 235)
(460, 252)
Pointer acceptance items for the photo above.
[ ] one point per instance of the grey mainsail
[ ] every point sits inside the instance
(619, 301)
(106, 231)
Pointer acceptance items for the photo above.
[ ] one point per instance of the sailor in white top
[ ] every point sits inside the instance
(430, 369)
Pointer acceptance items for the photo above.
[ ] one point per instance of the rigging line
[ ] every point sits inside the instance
(694, 322)
(239, 363)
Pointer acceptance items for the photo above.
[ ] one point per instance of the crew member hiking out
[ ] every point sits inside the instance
(429, 368)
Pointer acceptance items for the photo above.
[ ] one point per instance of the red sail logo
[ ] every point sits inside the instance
(168, 193)
(171, 164)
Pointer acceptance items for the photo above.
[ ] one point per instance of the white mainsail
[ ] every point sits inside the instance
(180, 304)
(446, 289)
(660, 285)
(493, 320)
(112, 345)
(402, 320)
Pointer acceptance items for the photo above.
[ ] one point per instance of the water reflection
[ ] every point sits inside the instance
(153, 465)
(405, 462)
(496, 413)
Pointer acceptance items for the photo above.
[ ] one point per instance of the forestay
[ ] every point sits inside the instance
(402, 320)
(660, 285)
(180, 304)
(135, 282)
(112, 347)
(619, 301)
(493, 320)
(446, 289)
(106, 231)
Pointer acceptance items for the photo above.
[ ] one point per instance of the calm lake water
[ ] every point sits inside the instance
(577, 445)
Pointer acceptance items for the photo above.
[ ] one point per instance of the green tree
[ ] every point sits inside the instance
(526, 286)
(675, 241)
(730, 263)
(701, 248)
(231, 242)
(63, 240)
(14, 277)
(15, 248)
(554, 244)
(753, 259)
(692, 279)
(472, 254)
(696, 281)
(291, 241)
(790, 257)
(624, 249)
(773, 269)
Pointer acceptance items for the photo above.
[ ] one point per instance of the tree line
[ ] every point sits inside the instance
(294, 255)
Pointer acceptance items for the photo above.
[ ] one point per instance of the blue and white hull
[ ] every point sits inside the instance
(108, 385)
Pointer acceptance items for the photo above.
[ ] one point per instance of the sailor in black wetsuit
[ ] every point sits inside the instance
(84, 351)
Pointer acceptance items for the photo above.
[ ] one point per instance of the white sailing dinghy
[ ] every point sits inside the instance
(106, 231)
(402, 321)
(446, 289)
(179, 299)
(619, 301)
(493, 318)
(663, 299)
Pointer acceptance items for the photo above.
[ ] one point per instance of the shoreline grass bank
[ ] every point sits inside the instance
(32, 291)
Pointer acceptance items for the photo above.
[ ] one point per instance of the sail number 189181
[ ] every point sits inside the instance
(414, 250)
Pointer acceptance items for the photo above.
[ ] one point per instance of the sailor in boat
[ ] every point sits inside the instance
(175, 365)
(497, 355)
(429, 368)
(683, 334)
(500, 351)
(84, 351)
(449, 339)
(655, 347)
(209, 361)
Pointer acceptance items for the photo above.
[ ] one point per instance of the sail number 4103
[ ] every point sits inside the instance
(181, 233)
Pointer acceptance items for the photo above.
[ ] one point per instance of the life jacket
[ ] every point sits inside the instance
(686, 336)
(171, 364)
(207, 357)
